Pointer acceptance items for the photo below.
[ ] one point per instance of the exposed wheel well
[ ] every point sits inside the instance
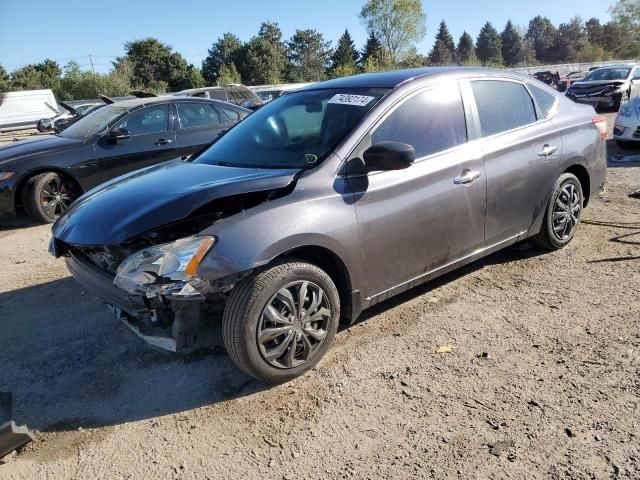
(335, 268)
(583, 175)
(23, 184)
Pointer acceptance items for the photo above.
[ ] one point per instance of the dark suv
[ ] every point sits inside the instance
(330, 200)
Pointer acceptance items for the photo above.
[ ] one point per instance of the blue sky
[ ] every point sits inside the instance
(31, 30)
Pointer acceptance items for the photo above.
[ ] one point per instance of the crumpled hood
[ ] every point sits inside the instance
(596, 83)
(43, 145)
(146, 199)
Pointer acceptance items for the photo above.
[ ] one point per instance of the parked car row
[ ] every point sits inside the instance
(317, 206)
(43, 176)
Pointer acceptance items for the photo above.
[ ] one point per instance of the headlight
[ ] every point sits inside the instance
(626, 110)
(166, 269)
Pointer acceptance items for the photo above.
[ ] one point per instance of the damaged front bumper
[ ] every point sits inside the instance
(160, 316)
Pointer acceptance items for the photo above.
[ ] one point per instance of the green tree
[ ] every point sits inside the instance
(541, 33)
(626, 12)
(156, 66)
(272, 33)
(444, 49)
(570, 40)
(195, 77)
(5, 81)
(309, 56)
(37, 76)
(228, 74)
(489, 46)
(512, 45)
(226, 51)
(398, 24)
(594, 31)
(345, 57)
(414, 59)
(262, 63)
(84, 85)
(372, 49)
(466, 50)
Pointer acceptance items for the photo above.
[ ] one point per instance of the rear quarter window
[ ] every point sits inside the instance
(545, 100)
(502, 105)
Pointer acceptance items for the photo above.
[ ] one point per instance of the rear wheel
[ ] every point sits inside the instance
(562, 217)
(279, 323)
(49, 195)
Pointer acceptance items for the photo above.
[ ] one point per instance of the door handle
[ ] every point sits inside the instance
(163, 141)
(466, 178)
(547, 151)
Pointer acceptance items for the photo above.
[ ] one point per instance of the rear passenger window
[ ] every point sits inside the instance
(197, 115)
(229, 115)
(502, 105)
(545, 100)
(431, 122)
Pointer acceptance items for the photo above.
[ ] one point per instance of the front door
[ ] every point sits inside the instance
(151, 141)
(414, 222)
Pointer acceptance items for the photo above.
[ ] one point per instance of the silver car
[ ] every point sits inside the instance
(329, 200)
(608, 87)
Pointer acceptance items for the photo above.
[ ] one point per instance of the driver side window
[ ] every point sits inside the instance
(150, 119)
(431, 122)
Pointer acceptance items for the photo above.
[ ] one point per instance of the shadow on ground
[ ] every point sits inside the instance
(70, 365)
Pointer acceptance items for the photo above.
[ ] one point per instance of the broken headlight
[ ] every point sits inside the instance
(168, 269)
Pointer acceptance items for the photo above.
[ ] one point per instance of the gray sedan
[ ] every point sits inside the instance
(330, 200)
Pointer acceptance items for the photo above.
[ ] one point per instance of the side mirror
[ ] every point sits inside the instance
(386, 156)
(118, 134)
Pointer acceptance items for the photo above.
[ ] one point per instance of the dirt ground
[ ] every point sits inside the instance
(543, 380)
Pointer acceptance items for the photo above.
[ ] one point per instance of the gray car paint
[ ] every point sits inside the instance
(399, 229)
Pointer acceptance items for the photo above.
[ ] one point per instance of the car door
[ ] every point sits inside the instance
(635, 82)
(415, 221)
(199, 124)
(521, 148)
(151, 140)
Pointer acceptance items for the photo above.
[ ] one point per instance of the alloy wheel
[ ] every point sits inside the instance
(294, 324)
(566, 212)
(56, 196)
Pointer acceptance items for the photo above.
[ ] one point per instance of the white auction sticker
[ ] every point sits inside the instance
(346, 99)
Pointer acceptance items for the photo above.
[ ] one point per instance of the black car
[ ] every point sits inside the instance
(42, 177)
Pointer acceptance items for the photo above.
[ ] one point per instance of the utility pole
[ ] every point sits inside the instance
(91, 60)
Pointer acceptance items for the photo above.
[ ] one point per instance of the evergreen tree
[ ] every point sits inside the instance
(271, 33)
(345, 57)
(466, 50)
(372, 51)
(309, 56)
(225, 51)
(489, 46)
(444, 48)
(541, 34)
(512, 45)
(262, 63)
(5, 83)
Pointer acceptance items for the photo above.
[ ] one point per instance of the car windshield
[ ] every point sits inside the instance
(608, 74)
(93, 123)
(295, 131)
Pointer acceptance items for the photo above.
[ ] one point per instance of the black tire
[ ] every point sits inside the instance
(243, 318)
(40, 204)
(548, 238)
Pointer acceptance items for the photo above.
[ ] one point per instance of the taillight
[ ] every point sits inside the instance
(601, 124)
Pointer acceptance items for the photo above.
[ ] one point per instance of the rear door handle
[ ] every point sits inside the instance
(163, 141)
(466, 178)
(547, 151)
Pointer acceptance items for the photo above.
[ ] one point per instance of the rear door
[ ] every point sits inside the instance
(199, 124)
(522, 148)
(152, 141)
(413, 222)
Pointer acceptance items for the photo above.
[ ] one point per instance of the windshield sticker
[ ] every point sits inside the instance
(346, 99)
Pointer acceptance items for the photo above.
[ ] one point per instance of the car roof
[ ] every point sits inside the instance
(395, 78)
(136, 102)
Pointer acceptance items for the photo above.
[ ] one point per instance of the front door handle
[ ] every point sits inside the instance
(547, 151)
(466, 178)
(163, 141)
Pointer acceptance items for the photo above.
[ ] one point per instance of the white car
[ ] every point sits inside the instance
(626, 130)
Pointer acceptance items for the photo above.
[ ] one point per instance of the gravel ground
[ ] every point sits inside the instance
(541, 378)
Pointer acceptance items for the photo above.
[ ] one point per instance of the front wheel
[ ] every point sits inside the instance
(49, 195)
(622, 98)
(562, 216)
(279, 323)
